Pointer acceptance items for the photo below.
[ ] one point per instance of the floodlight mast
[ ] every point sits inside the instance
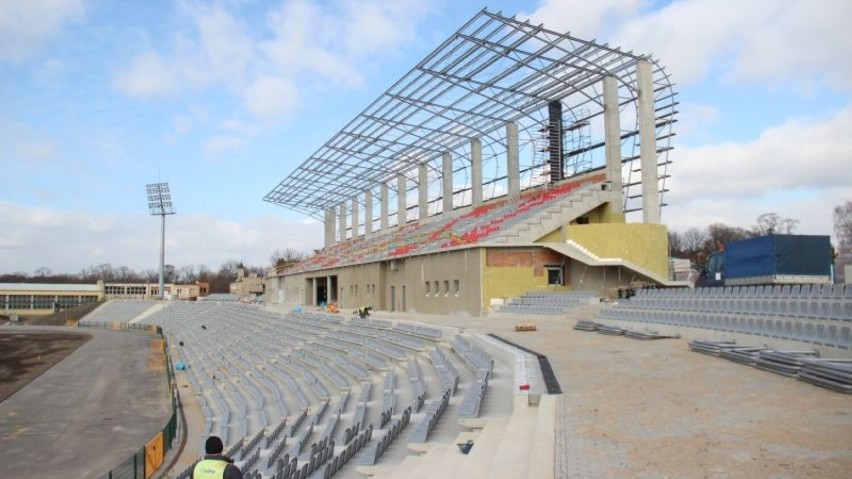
(160, 204)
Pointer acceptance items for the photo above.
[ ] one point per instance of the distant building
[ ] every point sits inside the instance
(43, 298)
(173, 291)
(247, 287)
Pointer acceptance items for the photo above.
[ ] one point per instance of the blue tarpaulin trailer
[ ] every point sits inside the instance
(772, 259)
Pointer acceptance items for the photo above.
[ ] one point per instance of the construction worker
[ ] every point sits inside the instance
(215, 465)
(364, 311)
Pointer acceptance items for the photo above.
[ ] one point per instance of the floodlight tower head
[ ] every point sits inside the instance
(160, 199)
(160, 204)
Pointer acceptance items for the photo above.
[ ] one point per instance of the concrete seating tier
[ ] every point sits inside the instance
(446, 371)
(480, 224)
(121, 311)
(266, 383)
(816, 315)
(548, 302)
(394, 428)
(832, 302)
(433, 414)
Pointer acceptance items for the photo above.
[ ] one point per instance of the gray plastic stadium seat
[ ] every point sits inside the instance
(800, 332)
(789, 332)
(810, 332)
(832, 335)
(844, 339)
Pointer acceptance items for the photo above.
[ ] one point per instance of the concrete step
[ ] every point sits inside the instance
(475, 464)
(406, 468)
(448, 464)
(543, 454)
(512, 458)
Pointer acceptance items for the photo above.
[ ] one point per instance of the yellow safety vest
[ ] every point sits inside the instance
(210, 469)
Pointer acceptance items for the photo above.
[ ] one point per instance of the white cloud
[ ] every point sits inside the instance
(22, 146)
(694, 118)
(220, 144)
(379, 26)
(147, 75)
(270, 97)
(812, 208)
(582, 18)
(802, 38)
(299, 49)
(768, 41)
(792, 167)
(26, 25)
(801, 153)
(132, 240)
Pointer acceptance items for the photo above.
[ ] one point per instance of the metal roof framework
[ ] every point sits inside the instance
(493, 70)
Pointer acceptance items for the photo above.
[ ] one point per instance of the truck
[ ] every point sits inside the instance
(770, 260)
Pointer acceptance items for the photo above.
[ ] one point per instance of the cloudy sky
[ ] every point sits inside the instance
(223, 99)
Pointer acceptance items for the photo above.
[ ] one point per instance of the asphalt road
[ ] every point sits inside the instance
(87, 414)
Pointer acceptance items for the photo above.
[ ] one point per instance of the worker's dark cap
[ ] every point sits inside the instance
(214, 445)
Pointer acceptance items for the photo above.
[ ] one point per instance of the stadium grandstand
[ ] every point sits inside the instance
(527, 150)
(514, 155)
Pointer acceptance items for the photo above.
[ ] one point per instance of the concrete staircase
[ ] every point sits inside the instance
(553, 217)
(517, 447)
(574, 250)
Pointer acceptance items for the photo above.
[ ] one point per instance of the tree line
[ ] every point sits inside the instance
(219, 280)
(696, 244)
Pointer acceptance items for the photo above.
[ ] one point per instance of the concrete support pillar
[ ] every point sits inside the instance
(423, 190)
(383, 207)
(612, 140)
(368, 212)
(354, 217)
(342, 233)
(447, 180)
(476, 171)
(329, 226)
(401, 206)
(513, 168)
(328, 292)
(647, 143)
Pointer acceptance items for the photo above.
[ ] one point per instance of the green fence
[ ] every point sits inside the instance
(143, 463)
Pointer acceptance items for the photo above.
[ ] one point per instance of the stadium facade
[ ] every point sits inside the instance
(514, 155)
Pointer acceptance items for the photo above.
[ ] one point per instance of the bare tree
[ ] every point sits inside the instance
(43, 272)
(123, 273)
(169, 273)
(772, 223)
(788, 225)
(186, 274)
(286, 256)
(843, 223)
(203, 273)
(150, 275)
(675, 244)
(229, 269)
(105, 272)
(718, 234)
(693, 241)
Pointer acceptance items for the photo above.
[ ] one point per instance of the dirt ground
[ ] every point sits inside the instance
(25, 356)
